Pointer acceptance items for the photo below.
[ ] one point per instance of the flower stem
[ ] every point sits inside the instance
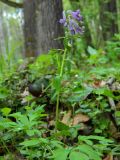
(63, 61)
(58, 94)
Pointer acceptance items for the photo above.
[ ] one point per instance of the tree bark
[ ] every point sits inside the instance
(42, 26)
(113, 10)
(108, 14)
(118, 14)
(2, 38)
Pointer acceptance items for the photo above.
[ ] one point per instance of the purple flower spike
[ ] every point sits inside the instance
(76, 15)
(72, 20)
(79, 30)
(71, 29)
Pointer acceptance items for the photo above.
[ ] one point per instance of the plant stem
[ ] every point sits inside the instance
(58, 94)
(63, 61)
(5, 146)
(57, 111)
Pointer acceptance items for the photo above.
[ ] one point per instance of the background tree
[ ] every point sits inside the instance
(102, 19)
(41, 25)
(11, 32)
(108, 15)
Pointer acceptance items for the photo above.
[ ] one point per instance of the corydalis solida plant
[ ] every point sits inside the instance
(73, 22)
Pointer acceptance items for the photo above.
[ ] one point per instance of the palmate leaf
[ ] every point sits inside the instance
(34, 142)
(29, 143)
(56, 144)
(5, 111)
(101, 139)
(60, 154)
(80, 94)
(89, 151)
(78, 156)
(16, 115)
(116, 150)
(104, 91)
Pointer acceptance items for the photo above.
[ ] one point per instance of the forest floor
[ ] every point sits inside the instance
(46, 116)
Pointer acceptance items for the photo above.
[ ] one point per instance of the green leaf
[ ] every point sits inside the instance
(91, 152)
(74, 155)
(117, 114)
(91, 50)
(3, 93)
(30, 132)
(29, 143)
(56, 144)
(57, 83)
(16, 115)
(6, 111)
(61, 126)
(100, 138)
(60, 154)
(24, 120)
(104, 91)
(81, 94)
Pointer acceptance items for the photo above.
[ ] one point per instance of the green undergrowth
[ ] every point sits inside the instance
(28, 127)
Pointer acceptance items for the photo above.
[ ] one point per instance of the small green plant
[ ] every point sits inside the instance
(72, 21)
(85, 149)
(28, 124)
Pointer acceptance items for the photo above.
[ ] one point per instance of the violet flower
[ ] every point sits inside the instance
(63, 20)
(72, 30)
(79, 30)
(72, 21)
(76, 15)
(74, 27)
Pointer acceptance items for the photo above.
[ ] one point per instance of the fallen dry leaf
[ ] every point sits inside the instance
(109, 157)
(25, 93)
(99, 83)
(52, 123)
(80, 118)
(66, 118)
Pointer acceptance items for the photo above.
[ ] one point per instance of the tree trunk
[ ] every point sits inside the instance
(113, 10)
(92, 18)
(42, 26)
(2, 38)
(108, 16)
(118, 14)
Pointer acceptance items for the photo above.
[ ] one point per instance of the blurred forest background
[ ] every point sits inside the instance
(101, 18)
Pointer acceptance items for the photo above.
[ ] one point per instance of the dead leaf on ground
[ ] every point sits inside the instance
(99, 83)
(66, 118)
(52, 123)
(80, 118)
(25, 93)
(109, 157)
